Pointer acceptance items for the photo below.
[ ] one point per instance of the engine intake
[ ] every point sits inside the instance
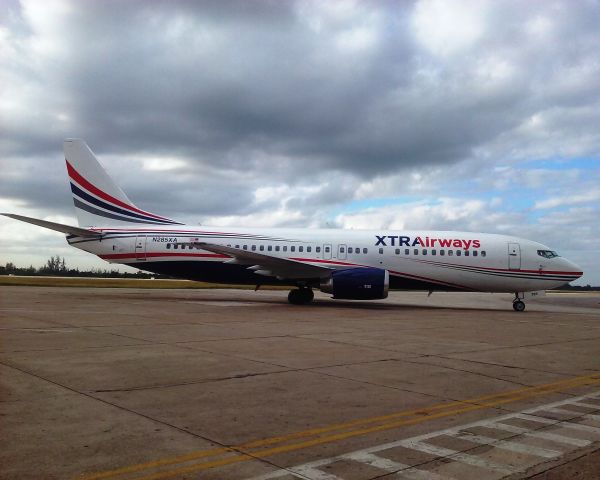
(358, 284)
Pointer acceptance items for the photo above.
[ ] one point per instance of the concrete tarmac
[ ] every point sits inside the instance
(229, 384)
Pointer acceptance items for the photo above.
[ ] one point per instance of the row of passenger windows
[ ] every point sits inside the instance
(262, 248)
(350, 250)
(433, 251)
(179, 245)
(355, 250)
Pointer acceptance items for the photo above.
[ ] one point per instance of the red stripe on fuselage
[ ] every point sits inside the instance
(141, 255)
(540, 272)
(105, 196)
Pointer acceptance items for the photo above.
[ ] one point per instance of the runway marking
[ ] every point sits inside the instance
(317, 436)
(426, 470)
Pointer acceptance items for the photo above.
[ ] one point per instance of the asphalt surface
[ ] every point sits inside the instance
(228, 384)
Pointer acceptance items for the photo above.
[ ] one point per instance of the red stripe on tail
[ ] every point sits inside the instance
(105, 196)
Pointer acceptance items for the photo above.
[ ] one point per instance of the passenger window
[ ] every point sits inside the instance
(237, 246)
(308, 249)
(327, 249)
(450, 253)
(397, 251)
(270, 248)
(442, 252)
(458, 253)
(245, 247)
(276, 248)
(381, 250)
(175, 246)
(254, 248)
(416, 251)
(483, 253)
(342, 250)
(466, 253)
(285, 248)
(424, 251)
(365, 250)
(293, 248)
(474, 253)
(300, 248)
(406, 251)
(168, 245)
(433, 252)
(262, 248)
(191, 247)
(350, 250)
(318, 249)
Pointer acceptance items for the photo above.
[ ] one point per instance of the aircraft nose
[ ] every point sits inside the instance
(573, 268)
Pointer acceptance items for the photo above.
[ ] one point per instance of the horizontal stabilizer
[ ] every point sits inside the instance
(59, 227)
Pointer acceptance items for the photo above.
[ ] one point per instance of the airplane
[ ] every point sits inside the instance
(348, 264)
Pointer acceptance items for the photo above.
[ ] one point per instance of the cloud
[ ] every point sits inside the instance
(308, 113)
(585, 198)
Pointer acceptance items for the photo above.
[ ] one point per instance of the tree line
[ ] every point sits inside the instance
(57, 267)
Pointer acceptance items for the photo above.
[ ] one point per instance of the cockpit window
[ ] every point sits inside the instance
(547, 253)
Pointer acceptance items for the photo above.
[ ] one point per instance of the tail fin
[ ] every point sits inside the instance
(99, 202)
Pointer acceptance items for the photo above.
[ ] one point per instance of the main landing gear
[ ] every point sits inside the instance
(518, 303)
(301, 296)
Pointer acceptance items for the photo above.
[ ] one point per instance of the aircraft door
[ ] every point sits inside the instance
(341, 251)
(327, 251)
(140, 247)
(514, 256)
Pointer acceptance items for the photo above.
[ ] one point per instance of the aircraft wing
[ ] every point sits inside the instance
(59, 227)
(261, 264)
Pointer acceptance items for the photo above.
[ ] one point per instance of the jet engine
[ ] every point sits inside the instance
(358, 284)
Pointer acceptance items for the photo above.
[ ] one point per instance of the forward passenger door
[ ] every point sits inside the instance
(514, 256)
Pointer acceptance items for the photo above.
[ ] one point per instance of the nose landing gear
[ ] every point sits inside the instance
(301, 296)
(518, 303)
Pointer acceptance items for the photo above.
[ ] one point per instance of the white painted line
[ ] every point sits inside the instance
(404, 471)
(587, 405)
(553, 437)
(533, 418)
(581, 426)
(589, 416)
(416, 474)
(368, 455)
(375, 461)
(563, 411)
(307, 470)
(313, 473)
(510, 445)
(456, 455)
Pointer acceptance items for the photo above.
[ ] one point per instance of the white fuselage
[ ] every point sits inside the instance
(414, 259)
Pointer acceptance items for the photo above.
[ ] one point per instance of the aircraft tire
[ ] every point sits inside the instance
(300, 296)
(518, 306)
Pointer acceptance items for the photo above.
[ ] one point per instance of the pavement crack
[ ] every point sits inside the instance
(196, 382)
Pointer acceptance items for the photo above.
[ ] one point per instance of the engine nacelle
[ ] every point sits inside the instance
(358, 284)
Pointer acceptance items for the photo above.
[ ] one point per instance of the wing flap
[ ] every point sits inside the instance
(266, 265)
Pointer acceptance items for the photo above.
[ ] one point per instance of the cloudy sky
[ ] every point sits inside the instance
(473, 115)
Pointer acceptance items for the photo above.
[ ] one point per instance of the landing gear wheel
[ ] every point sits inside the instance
(518, 305)
(301, 296)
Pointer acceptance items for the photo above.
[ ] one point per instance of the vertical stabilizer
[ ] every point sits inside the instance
(99, 201)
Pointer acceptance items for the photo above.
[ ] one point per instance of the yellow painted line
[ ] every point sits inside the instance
(423, 415)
